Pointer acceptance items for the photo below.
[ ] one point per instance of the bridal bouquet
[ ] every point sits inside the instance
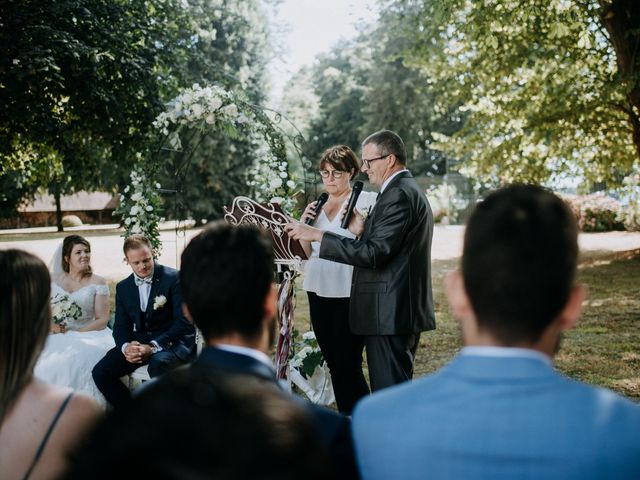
(63, 309)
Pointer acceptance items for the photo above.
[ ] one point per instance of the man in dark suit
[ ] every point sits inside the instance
(391, 297)
(226, 278)
(149, 326)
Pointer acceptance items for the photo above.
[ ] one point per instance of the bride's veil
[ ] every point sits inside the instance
(55, 265)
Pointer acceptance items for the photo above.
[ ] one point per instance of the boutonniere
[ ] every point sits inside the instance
(159, 302)
(365, 213)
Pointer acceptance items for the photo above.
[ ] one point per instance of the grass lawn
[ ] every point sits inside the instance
(602, 350)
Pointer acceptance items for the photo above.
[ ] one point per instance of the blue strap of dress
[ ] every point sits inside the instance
(47, 435)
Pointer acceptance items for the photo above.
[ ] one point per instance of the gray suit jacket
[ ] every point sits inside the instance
(391, 286)
(497, 418)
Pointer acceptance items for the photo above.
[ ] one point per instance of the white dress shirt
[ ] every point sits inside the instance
(388, 180)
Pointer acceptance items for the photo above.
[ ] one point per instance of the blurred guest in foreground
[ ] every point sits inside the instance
(226, 279)
(499, 409)
(198, 426)
(40, 424)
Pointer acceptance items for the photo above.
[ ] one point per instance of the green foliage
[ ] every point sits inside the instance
(228, 48)
(630, 192)
(140, 206)
(366, 85)
(540, 83)
(83, 81)
(445, 202)
(596, 212)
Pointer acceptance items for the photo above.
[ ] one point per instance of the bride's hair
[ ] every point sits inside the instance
(67, 245)
(25, 314)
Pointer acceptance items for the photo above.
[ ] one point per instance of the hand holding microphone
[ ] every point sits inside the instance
(322, 199)
(353, 200)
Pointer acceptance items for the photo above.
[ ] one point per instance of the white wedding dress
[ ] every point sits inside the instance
(68, 358)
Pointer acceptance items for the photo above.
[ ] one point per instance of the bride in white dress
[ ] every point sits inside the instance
(75, 345)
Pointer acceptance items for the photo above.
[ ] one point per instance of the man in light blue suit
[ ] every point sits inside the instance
(499, 410)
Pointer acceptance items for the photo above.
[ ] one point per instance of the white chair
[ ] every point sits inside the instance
(139, 375)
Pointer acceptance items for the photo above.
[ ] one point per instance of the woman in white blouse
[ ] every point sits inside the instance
(328, 284)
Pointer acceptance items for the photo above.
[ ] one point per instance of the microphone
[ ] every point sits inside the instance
(357, 188)
(322, 199)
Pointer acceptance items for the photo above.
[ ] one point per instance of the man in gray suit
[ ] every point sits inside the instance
(391, 298)
(499, 410)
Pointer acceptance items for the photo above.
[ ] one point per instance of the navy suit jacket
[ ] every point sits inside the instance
(391, 286)
(333, 429)
(166, 324)
(497, 418)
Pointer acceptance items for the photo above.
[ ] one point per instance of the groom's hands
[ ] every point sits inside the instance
(137, 352)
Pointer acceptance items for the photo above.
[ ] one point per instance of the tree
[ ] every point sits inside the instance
(366, 85)
(546, 89)
(81, 81)
(228, 46)
(84, 80)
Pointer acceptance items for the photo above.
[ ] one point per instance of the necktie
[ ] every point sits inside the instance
(139, 281)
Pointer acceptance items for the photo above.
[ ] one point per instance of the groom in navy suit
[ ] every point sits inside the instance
(149, 325)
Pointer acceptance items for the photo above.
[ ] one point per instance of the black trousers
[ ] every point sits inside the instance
(107, 372)
(341, 349)
(390, 358)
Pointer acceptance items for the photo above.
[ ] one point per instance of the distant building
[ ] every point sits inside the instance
(90, 207)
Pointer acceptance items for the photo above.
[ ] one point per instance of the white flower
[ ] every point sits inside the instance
(242, 118)
(127, 221)
(159, 302)
(231, 110)
(210, 119)
(197, 110)
(215, 103)
(291, 183)
(275, 183)
(134, 210)
(158, 185)
(283, 174)
(304, 352)
(310, 335)
(149, 208)
(276, 200)
(136, 197)
(126, 189)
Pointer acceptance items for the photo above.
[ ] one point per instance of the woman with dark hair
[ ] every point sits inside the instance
(40, 424)
(80, 304)
(328, 284)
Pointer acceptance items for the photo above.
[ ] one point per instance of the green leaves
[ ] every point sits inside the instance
(539, 86)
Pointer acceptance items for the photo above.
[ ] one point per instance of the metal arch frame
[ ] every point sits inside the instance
(180, 169)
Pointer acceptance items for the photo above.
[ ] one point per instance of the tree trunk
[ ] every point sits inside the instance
(622, 22)
(56, 195)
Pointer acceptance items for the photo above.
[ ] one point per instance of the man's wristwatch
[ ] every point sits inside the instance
(154, 349)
